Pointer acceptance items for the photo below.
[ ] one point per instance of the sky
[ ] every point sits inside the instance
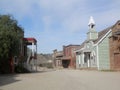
(55, 23)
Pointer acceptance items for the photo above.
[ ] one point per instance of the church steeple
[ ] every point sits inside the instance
(92, 33)
(91, 23)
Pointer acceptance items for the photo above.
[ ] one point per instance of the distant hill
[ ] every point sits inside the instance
(43, 58)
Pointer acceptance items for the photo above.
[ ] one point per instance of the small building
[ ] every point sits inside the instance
(115, 47)
(69, 57)
(27, 57)
(94, 51)
(57, 56)
(30, 54)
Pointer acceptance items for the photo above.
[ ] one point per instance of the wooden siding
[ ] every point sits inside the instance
(103, 53)
(93, 60)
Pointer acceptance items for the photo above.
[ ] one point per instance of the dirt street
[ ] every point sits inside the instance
(62, 80)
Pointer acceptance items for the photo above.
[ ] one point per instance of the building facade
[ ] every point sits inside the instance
(57, 56)
(94, 51)
(30, 54)
(115, 47)
(69, 57)
(27, 57)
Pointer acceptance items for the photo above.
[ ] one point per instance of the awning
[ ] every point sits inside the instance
(29, 41)
(83, 50)
(66, 58)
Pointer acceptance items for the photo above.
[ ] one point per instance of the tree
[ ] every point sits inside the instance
(10, 35)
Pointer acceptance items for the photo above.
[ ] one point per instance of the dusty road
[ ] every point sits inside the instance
(62, 80)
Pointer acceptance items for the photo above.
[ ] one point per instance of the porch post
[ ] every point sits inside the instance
(98, 66)
(33, 62)
(36, 56)
(79, 59)
(32, 49)
(82, 59)
(88, 62)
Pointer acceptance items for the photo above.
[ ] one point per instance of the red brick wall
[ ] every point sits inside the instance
(111, 53)
(69, 52)
(115, 48)
(114, 54)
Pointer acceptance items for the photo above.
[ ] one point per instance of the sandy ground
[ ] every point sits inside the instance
(62, 80)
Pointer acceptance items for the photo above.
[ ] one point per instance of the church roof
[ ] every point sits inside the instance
(101, 34)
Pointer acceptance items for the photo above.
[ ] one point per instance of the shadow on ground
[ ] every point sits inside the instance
(6, 79)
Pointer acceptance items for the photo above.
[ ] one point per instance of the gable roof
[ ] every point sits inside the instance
(118, 22)
(81, 46)
(101, 34)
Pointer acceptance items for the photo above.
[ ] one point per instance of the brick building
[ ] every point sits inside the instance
(69, 57)
(115, 47)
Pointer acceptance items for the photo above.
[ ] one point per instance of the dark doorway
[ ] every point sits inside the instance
(65, 63)
(87, 59)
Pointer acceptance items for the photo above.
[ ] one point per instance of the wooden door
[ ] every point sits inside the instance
(117, 61)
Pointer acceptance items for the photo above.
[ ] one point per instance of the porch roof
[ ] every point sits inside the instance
(83, 50)
(100, 36)
(66, 58)
(29, 41)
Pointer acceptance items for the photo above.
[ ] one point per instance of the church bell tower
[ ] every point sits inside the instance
(92, 33)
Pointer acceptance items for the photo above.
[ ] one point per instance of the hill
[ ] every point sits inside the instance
(44, 58)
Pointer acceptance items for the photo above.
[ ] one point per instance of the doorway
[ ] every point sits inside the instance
(87, 59)
(65, 63)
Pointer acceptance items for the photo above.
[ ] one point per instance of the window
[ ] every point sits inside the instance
(15, 60)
